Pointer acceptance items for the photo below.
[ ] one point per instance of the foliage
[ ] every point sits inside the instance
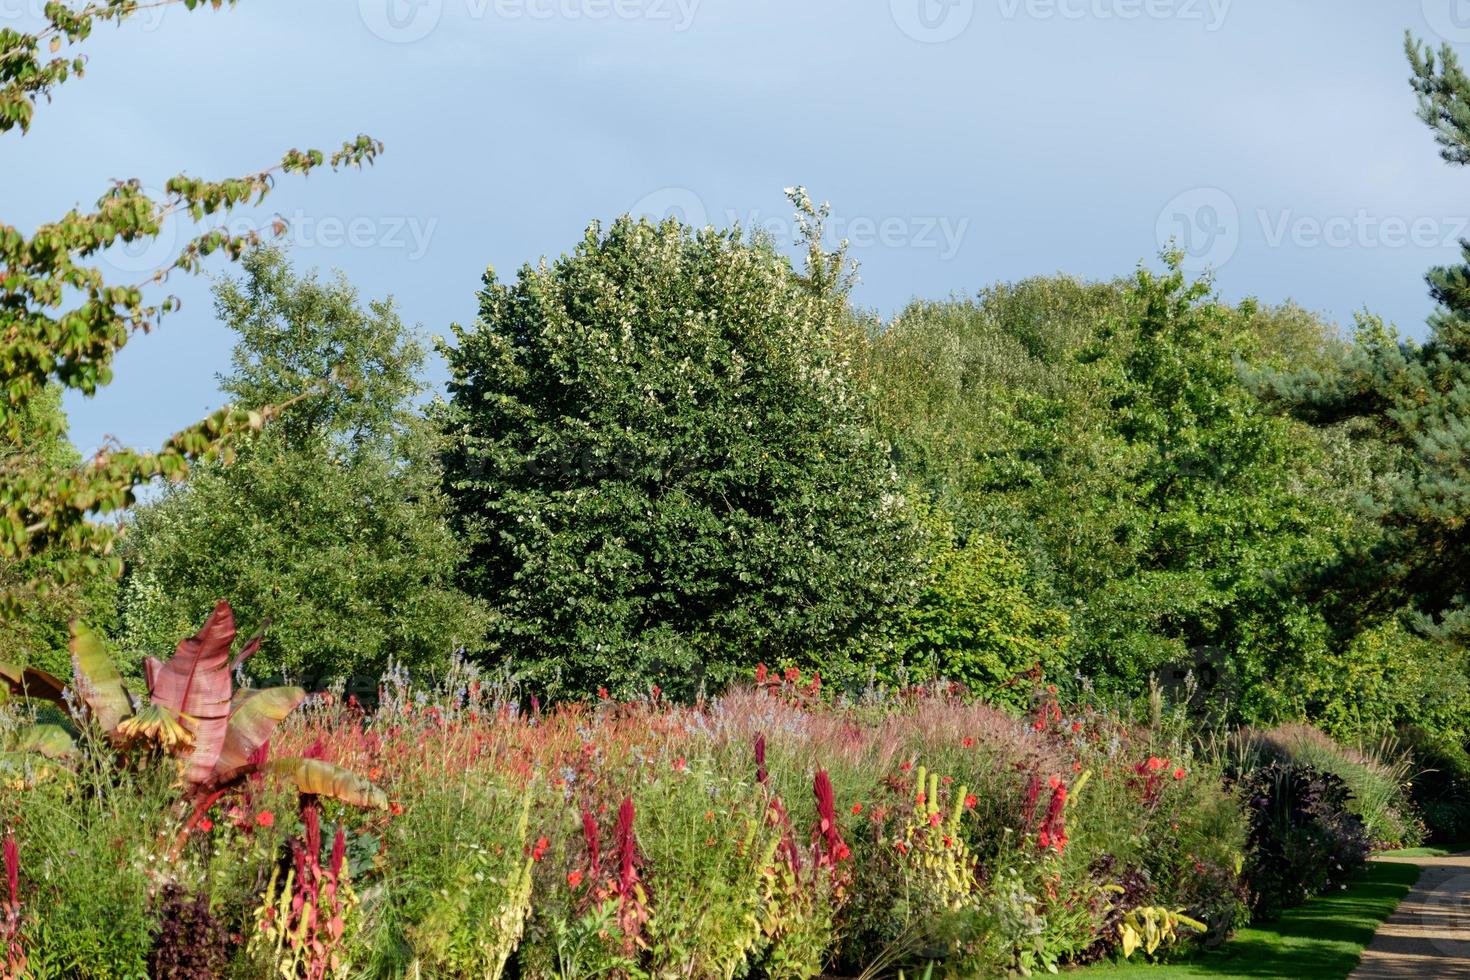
(978, 620)
(1408, 397)
(191, 943)
(1304, 837)
(63, 322)
(42, 599)
(1150, 927)
(1377, 777)
(1103, 434)
(331, 526)
(659, 465)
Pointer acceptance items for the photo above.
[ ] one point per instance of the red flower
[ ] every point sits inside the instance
(1076, 727)
(947, 780)
(206, 825)
(1180, 773)
(680, 765)
(967, 742)
(761, 672)
(793, 675)
(935, 819)
(971, 802)
(574, 879)
(265, 819)
(906, 766)
(902, 847)
(857, 808)
(657, 691)
(602, 693)
(541, 845)
(395, 808)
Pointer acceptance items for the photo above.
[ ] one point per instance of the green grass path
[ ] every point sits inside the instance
(1321, 940)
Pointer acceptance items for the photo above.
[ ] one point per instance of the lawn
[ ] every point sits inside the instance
(1321, 940)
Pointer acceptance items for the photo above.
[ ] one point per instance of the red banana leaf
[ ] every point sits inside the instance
(99, 685)
(253, 719)
(320, 778)
(196, 684)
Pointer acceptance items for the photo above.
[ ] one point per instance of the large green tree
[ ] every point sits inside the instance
(661, 465)
(1101, 431)
(331, 524)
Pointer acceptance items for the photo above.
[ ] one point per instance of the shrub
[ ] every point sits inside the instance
(1304, 838)
(1377, 778)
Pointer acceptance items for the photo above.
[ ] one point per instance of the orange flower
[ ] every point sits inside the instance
(265, 819)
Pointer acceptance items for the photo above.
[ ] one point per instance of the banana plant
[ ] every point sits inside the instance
(193, 712)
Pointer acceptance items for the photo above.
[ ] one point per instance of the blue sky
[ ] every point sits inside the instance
(961, 143)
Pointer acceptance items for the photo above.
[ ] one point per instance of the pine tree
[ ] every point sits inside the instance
(1414, 400)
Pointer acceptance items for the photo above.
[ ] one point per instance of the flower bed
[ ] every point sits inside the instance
(765, 833)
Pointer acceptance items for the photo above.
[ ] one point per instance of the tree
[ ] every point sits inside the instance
(43, 600)
(1100, 434)
(61, 321)
(1414, 401)
(332, 524)
(661, 467)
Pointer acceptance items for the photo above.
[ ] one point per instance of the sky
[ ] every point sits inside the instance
(960, 142)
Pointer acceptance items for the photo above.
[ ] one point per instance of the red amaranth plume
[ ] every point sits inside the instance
(1033, 793)
(339, 853)
(831, 848)
(628, 859)
(593, 838)
(632, 896)
(761, 776)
